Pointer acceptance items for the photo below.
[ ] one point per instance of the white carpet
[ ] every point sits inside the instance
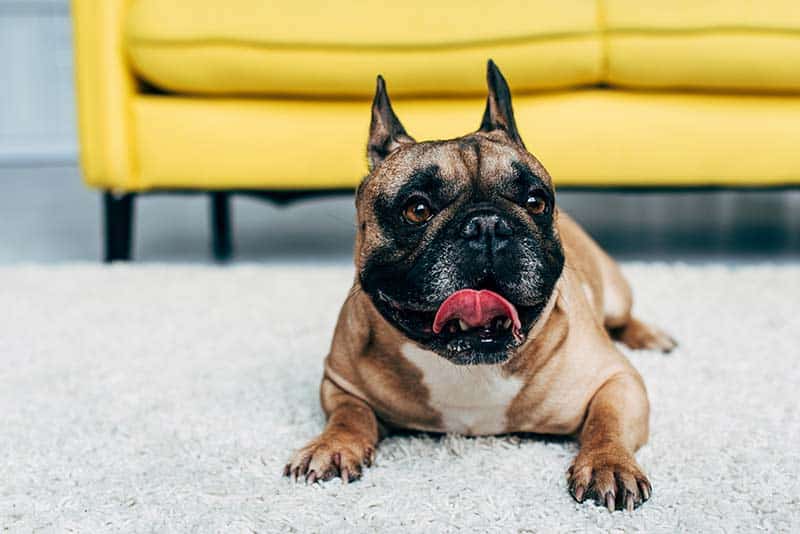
(152, 398)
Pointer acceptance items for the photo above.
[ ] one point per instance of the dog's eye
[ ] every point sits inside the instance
(536, 203)
(418, 211)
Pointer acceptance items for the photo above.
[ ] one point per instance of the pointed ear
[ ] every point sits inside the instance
(386, 134)
(499, 114)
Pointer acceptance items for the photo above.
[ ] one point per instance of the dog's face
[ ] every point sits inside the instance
(457, 245)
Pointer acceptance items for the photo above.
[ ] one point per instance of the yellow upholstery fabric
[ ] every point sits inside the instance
(587, 138)
(135, 141)
(105, 86)
(702, 15)
(430, 48)
(741, 45)
(319, 47)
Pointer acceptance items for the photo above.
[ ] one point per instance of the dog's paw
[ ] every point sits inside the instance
(612, 478)
(327, 457)
(642, 336)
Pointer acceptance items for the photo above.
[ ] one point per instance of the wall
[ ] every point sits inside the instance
(37, 110)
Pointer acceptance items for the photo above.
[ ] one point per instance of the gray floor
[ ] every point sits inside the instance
(49, 216)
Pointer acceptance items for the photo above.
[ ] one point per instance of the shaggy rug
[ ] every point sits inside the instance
(158, 399)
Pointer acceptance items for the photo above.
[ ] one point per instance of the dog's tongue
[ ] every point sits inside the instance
(476, 308)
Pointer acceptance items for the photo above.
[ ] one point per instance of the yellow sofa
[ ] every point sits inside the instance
(226, 96)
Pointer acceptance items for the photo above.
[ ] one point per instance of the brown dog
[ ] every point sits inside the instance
(479, 308)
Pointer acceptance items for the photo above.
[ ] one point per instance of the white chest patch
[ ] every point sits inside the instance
(471, 399)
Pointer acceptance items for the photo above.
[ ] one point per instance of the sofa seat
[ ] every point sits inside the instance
(671, 139)
(319, 47)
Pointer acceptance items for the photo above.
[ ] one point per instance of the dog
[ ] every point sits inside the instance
(480, 308)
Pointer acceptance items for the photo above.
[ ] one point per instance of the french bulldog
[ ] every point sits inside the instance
(480, 308)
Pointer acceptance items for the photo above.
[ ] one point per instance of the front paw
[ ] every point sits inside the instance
(330, 456)
(612, 478)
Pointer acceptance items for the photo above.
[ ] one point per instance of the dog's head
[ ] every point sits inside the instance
(456, 242)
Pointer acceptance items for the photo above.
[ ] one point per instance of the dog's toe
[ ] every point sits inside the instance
(325, 458)
(611, 479)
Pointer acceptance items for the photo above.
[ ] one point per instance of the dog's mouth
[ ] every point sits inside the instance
(469, 312)
(469, 326)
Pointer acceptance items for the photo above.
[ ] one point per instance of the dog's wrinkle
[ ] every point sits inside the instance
(426, 179)
(408, 305)
(526, 175)
(469, 153)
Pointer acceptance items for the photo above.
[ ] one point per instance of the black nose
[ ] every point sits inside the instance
(487, 230)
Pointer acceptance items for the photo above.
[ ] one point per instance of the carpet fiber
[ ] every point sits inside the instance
(153, 398)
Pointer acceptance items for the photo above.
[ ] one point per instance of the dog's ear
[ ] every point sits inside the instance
(499, 114)
(386, 134)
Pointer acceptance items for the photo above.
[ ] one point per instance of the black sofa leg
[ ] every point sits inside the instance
(118, 225)
(221, 238)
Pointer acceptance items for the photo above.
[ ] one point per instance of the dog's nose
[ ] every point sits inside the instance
(487, 229)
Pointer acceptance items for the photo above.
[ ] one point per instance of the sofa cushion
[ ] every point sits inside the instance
(319, 47)
(703, 44)
(595, 138)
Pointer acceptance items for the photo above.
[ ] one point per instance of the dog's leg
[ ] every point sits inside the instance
(636, 334)
(347, 443)
(617, 304)
(621, 325)
(616, 426)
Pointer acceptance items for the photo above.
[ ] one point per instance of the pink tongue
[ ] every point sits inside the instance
(476, 308)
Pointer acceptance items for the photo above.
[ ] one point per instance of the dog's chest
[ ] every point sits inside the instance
(472, 400)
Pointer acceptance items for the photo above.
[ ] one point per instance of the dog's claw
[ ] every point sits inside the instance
(610, 477)
(610, 501)
(629, 501)
(644, 488)
(311, 477)
(304, 466)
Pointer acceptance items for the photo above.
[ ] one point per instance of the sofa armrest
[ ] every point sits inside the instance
(105, 88)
